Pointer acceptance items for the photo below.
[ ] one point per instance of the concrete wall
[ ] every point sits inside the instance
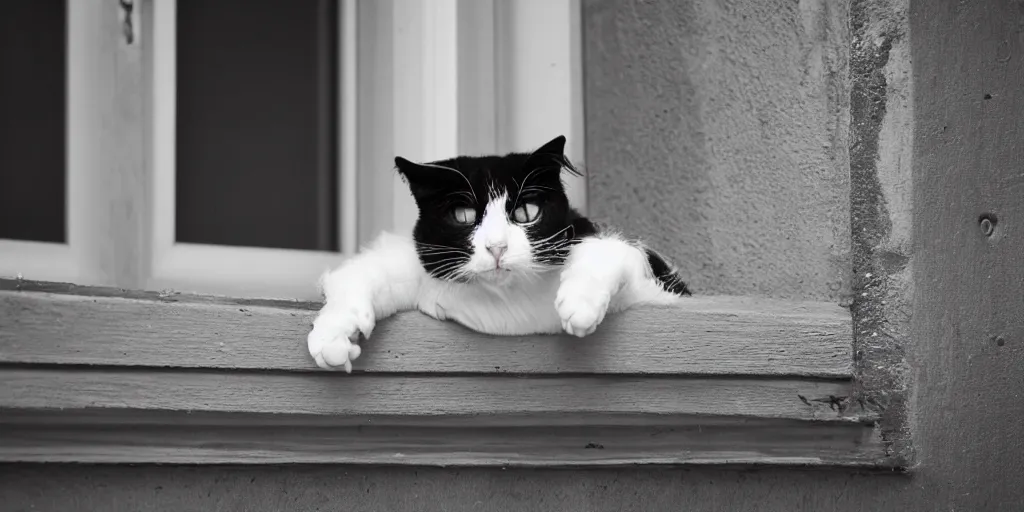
(717, 131)
(944, 146)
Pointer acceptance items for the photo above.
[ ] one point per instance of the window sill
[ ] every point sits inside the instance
(102, 375)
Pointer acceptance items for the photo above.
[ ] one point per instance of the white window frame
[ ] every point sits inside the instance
(65, 261)
(102, 179)
(477, 77)
(221, 269)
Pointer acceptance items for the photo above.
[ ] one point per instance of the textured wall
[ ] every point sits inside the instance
(717, 130)
(302, 489)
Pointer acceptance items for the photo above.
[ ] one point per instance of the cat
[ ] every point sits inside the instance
(496, 248)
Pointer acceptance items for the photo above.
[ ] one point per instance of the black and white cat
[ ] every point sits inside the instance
(496, 248)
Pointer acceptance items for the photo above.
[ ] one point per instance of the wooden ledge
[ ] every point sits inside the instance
(104, 375)
(254, 439)
(709, 336)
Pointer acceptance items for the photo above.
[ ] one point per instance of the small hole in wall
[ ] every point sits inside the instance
(988, 96)
(987, 223)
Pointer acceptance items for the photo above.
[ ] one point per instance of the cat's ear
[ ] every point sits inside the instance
(411, 171)
(418, 177)
(426, 178)
(552, 154)
(555, 148)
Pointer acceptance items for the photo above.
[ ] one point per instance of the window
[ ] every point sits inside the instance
(33, 188)
(256, 125)
(303, 146)
(32, 98)
(139, 369)
(249, 182)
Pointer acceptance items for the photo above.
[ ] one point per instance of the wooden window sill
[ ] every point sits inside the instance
(102, 375)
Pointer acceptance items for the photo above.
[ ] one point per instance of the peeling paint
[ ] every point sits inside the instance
(880, 169)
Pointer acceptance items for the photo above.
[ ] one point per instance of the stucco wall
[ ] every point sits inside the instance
(960, 323)
(717, 131)
(164, 489)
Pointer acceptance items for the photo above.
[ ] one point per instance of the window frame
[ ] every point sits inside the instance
(222, 269)
(76, 260)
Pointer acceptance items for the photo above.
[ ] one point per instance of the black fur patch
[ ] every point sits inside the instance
(670, 280)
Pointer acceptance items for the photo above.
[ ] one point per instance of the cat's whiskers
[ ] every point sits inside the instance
(555, 234)
(436, 252)
(563, 163)
(445, 273)
(460, 275)
(436, 246)
(533, 188)
(441, 269)
(548, 242)
(448, 263)
(551, 253)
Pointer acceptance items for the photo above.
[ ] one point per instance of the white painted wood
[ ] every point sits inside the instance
(425, 88)
(106, 194)
(577, 186)
(107, 151)
(224, 270)
(348, 114)
(162, 112)
(242, 272)
(376, 158)
(84, 117)
(410, 97)
(38, 260)
(478, 108)
(441, 83)
(540, 92)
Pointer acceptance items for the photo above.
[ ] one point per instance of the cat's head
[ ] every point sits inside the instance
(492, 218)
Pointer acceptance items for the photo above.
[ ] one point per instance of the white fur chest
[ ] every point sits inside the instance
(524, 306)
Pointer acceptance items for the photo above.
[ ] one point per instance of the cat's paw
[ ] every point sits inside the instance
(581, 304)
(332, 340)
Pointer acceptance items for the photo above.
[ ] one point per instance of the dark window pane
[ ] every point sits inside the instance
(256, 109)
(32, 120)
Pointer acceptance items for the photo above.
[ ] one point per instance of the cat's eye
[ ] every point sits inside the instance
(526, 212)
(464, 215)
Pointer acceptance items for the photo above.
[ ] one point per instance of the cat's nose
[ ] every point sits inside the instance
(497, 250)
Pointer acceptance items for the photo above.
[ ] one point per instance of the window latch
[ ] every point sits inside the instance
(127, 27)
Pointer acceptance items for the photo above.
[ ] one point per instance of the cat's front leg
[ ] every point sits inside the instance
(381, 280)
(597, 269)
